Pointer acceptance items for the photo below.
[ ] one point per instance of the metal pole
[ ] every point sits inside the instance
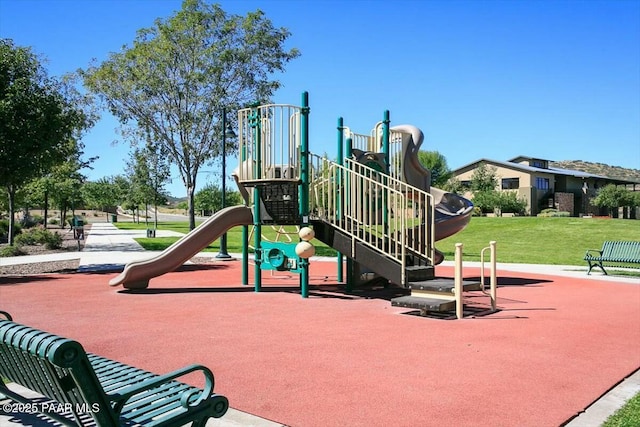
(350, 262)
(257, 215)
(223, 239)
(304, 179)
(458, 280)
(385, 150)
(494, 277)
(341, 189)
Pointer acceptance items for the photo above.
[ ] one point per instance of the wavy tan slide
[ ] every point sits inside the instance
(453, 212)
(136, 274)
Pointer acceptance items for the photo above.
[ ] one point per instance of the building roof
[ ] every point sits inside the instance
(533, 169)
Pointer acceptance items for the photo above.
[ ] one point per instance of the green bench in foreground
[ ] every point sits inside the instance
(85, 389)
(614, 254)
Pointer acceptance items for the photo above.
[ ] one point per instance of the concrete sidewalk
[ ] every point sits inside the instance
(108, 248)
(233, 417)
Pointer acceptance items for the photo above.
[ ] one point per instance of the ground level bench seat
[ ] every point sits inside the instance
(86, 389)
(614, 254)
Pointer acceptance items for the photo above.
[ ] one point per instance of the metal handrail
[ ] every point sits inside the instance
(352, 196)
(493, 276)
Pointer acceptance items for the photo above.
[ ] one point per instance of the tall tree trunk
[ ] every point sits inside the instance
(190, 200)
(155, 212)
(63, 215)
(46, 207)
(12, 196)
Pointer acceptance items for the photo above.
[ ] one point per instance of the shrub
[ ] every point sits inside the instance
(550, 213)
(26, 239)
(11, 251)
(39, 236)
(53, 240)
(485, 200)
(4, 229)
(508, 201)
(31, 221)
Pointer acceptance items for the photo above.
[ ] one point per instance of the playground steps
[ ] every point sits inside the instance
(419, 273)
(425, 305)
(369, 257)
(443, 286)
(436, 295)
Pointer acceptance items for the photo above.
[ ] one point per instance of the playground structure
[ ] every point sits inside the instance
(374, 204)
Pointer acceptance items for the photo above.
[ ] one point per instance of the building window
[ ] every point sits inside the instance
(539, 164)
(510, 183)
(466, 184)
(542, 183)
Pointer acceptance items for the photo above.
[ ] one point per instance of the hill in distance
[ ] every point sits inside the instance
(599, 169)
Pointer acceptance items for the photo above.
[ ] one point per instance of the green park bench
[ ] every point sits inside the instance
(82, 389)
(625, 254)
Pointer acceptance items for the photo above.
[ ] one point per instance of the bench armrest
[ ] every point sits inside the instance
(593, 250)
(188, 398)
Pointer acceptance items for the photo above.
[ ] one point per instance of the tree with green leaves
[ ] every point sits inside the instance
(437, 164)
(103, 193)
(149, 172)
(484, 181)
(613, 197)
(66, 192)
(181, 73)
(40, 126)
(209, 198)
(454, 185)
(484, 178)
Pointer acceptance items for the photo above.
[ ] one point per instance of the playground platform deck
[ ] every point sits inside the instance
(337, 359)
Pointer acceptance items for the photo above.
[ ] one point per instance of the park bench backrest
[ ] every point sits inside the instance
(55, 367)
(623, 251)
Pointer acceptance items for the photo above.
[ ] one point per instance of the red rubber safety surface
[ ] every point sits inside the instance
(334, 359)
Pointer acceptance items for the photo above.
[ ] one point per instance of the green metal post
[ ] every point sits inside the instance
(245, 234)
(304, 187)
(385, 138)
(245, 254)
(339, 192)
(350, 269)
(385, 151)
(257, 129)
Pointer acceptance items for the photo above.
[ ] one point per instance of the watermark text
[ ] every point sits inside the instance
(49, 407)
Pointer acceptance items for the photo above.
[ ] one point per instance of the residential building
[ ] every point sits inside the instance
(543, 186)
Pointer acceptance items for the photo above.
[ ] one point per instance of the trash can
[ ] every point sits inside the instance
(77, 224)
(114, 218)
(151, 232)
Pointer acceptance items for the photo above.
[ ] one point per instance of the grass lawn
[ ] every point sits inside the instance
(627, 416)
(533, 240)
(529, 240)
(234, 237)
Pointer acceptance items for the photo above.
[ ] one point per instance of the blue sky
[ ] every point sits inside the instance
(558, 80)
